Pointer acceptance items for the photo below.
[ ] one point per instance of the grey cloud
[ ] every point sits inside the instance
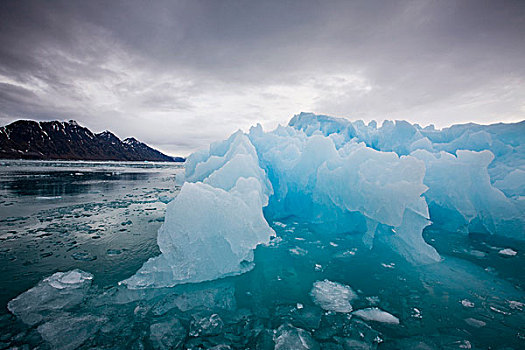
(183, 73)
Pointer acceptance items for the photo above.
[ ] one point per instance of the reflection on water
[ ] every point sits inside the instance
(64, 183)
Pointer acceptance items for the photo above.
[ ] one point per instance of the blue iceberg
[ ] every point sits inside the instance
(384, 183)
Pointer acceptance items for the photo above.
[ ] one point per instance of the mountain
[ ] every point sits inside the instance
(27, 139)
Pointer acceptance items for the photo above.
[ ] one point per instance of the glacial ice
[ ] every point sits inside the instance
(212, 227)
(385, 183)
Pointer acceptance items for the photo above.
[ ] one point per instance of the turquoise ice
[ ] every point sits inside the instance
(385, 184)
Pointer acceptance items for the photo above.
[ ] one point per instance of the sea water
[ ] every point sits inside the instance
(306, 288)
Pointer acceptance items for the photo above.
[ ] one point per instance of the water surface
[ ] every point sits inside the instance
(103, 218)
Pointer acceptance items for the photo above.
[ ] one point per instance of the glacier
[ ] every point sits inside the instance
(384, 183)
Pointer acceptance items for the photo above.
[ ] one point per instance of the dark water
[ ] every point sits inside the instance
(56, 216)
(102, 218)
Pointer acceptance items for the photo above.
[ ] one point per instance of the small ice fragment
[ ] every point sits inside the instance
(416, 313)
(165, 199)
(475, 323)
(167, 335)
(376, 314)
(499, 311)
(70, 279)
(298, 251)
(516, 305)
(373, 300)
(346, 253)
(508, 252)
(465, 344)
(333, 296)
(467, 303)
(68, 333)
(206, 326)
(491, 270)
(289, 337)
(280, 224)
(83, 256)
(477, 253)
(112, 252)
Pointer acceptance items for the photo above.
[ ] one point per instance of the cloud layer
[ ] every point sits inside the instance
(181, 74)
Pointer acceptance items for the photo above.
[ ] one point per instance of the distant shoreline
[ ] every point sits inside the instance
(91, 161)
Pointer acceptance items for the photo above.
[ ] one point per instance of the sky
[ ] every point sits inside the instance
(181, 74)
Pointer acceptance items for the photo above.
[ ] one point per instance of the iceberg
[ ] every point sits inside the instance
(212, 227)
(384, 183)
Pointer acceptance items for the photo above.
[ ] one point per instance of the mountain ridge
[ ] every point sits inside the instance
(55, 140)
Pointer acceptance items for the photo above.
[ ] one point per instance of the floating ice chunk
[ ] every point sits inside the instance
(221, 347)
(376, 314)
(218, 296)
(516, 305)
(475, 322)
(298, 251)
(58, 292)
(71, 279)
(388, 266)
(209, 325)
(69, 332)
(508, 252)
(306, 317)
(358, 329)
(416, 313)
(288, 337)
(333, 296)
(113, 252)
(165, 199)
(83, 256)
(280, 224)
(167, 335)
(495, 309)
(467, 303)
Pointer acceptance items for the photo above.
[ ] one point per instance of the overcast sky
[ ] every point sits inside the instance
(181, 74)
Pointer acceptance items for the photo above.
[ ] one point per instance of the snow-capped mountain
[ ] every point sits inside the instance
(27, 139)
